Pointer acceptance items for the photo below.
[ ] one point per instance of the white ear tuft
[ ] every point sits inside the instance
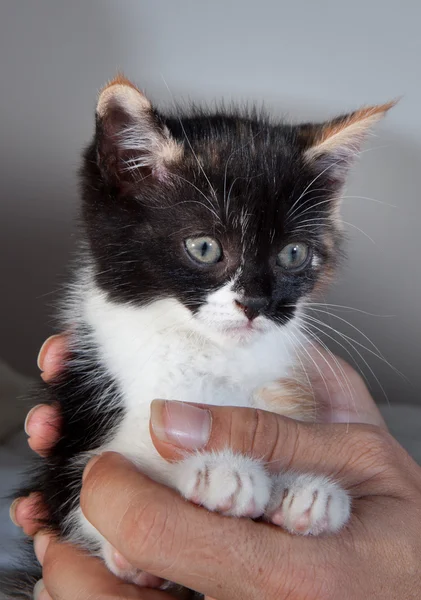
(131, 137)
(122, 93)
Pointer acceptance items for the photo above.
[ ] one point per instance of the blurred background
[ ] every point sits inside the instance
(301, 58)
(306, 60)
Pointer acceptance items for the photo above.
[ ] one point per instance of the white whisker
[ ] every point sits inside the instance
(349, 385)
(226, 168)
(200, 192)
(326, 304)
(371, 199)
(360, 230)
(311, 183)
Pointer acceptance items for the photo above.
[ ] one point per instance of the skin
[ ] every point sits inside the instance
(375, 556)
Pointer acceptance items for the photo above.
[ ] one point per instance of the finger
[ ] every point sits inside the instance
(157, 531)
(339, 390)
(39, 592)
(348, 451)
(52, 355)
(42, 425)
(27, 512)
(84, 576)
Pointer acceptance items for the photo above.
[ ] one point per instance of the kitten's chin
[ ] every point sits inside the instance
(243, 333)
(237, 333)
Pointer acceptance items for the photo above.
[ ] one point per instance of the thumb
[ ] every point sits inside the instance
(280, 442)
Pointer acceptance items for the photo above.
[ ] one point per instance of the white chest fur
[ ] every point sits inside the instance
(158, 352)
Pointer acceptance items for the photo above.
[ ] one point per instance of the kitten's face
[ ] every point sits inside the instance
(233, 217)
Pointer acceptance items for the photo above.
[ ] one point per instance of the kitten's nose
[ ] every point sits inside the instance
(252, 307)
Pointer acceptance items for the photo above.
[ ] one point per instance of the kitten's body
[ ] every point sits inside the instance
(150, 318)
(155, 352)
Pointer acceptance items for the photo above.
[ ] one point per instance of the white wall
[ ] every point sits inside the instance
(306, 58)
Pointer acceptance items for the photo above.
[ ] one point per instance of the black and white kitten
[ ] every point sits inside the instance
(204, 237)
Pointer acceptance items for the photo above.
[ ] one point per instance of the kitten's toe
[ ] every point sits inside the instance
(118, 565)
(232, 484)
(308, 504)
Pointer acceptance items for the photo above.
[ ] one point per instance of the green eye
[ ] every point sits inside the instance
(294, 257)
(204, 249)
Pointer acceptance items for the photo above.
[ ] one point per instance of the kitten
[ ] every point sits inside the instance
(204, 237)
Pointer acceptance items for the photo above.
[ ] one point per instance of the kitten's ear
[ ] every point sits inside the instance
(132, 141)
(334, 145)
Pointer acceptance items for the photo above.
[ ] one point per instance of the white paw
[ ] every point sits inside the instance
(118, 565)
(308, 504)
(224, 482)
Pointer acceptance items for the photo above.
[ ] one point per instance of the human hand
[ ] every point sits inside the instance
(375, 556)
(234, 425)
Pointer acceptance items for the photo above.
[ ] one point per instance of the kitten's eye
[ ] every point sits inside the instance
(294, 257)
(204, 249)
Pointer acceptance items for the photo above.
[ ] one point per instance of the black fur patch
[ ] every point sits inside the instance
(90, 410)
(251, 174)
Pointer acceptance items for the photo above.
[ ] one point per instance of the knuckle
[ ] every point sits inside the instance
(254, 432)
(375, 441)
(373, 450)
(255, 429)
(410, 553)
(286, 443)
(246, 431)
(265, 438)
(144, 526)
(309, 582)
(51, 567)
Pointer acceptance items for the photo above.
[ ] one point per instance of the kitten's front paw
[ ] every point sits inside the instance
(225, 482)
(308, 504)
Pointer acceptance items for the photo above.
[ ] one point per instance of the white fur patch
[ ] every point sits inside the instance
(308, 504)
(229, 483)
(164, 351)
(127, 97)
(151, 146)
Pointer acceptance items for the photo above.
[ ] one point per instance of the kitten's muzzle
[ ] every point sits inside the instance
(252, 307)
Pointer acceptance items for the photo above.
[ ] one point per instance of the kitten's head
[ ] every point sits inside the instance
(233, 217)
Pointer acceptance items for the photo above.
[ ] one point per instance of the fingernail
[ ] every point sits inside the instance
(43, 350)
(39, 592)
(38, 588)
(181, 423)
(41, 541)
(12, 511)
(29, 416)
(90, 465)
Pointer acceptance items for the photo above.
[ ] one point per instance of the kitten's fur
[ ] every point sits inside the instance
(147, 321)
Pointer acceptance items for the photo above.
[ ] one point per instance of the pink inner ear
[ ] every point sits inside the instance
(131, 141)
(342, 137)
(160, 173)
(362, 118)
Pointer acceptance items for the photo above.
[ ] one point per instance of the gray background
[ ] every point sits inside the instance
(307, 59)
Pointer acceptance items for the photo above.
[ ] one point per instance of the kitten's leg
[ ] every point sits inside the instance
(308, 504)
(121, 568)
(225, 482)
(288, 397)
